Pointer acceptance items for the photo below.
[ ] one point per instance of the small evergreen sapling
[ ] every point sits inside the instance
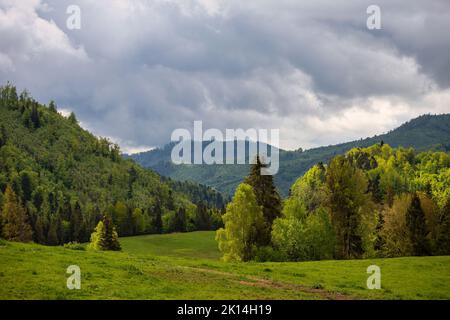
(105, 236)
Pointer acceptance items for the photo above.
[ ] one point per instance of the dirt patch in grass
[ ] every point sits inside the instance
(270, 284)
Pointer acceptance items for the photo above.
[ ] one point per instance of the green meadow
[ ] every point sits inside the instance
(188, 266)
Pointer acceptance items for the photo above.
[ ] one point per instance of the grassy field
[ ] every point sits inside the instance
(187, 266)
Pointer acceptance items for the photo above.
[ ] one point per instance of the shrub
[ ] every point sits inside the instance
(74, 246)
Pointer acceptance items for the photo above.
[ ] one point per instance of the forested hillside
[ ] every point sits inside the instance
(57, 181)
(428, 132)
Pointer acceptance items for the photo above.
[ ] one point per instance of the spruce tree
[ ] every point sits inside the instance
(76, 223)
(158, 219)
(202, 217)
(52, 234)
(52, 107)
(3, 136)
(35, 117)
(14, 219)
(105, 236)
(443, 239)
(415, 222)
(72, 118)
(39, 230)
(179, 222)
(267, 197)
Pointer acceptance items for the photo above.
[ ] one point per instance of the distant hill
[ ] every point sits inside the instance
(423, 133)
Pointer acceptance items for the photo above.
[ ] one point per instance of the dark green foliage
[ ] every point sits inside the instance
(415, 221)
(348, 197)
(179, 222)
(267, 197)
(52, 107)
(72, 118)
(158, 224)
(35, 117)
(198, 193)
(443, 240)
(52, 236)
(77, 224)
(203, 218)
(3, 136)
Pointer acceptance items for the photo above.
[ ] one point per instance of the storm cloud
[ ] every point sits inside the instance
(137, 70)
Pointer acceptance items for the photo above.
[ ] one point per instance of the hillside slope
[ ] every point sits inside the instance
(422, 133)
(66, 178)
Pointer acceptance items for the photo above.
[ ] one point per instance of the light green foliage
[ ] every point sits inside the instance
(350, 205)
(305, 231)
(139, 221)
(105, 236)
(309, 239)
(310, 189)
(243, 218)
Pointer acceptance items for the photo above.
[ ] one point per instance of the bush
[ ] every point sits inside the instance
(265, 254)
(74, 246)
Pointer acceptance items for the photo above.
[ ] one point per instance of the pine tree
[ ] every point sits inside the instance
(202, 218)
(72, 118)
(267, 197)
(35, 117)
(105, 236)
(415, 222)
(443, 239)
(39, 230)
(14, 219)
(76, 224)
(179, 222)
(52, 106)
(158, 219)
(52, 234)
(3, 136)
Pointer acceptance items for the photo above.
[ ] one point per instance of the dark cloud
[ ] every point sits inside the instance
(139, 69)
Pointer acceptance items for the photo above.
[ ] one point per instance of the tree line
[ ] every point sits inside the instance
(370, 202)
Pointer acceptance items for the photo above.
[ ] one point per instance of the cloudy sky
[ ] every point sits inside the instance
(138, 69)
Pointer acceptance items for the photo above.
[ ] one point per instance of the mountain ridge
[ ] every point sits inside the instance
(426, 132)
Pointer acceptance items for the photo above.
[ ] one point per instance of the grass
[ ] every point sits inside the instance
(186, 266)
(200, 245)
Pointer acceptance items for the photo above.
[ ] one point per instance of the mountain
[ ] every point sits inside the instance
(65, 178)
(422, 133)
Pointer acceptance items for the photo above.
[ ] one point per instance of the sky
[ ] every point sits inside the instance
(137, 70)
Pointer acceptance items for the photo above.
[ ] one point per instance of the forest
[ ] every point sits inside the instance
(371, 202)
(57, 181)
